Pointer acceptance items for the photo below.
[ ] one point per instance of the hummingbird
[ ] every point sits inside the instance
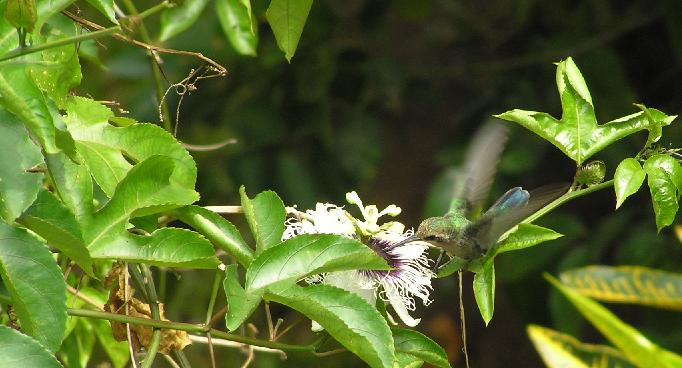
(457, 234)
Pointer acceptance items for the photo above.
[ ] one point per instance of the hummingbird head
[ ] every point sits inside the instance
(435, 230)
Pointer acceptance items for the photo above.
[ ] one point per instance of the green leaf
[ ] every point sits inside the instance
(218, 230)
(167, 247)
(18, 187)
(577, 134)
(664, 176)
(36, 285)
(240, 304)
(239, 25)
(78, 345)
(145, 190)
(19, 350)
(560, 350)
(105, 7)
(46, 9)
(484, 290)
(628, 178)
(21, 13)
(636, 347)
(106, 149)
(72, 183)
(287, 18)
(48, 218)
(306, 255)
(454, 264)
(415, 344)
(627, 284)
(348, 318)
(265, 215)
(179, 18)
(526, 235)
(117, 351)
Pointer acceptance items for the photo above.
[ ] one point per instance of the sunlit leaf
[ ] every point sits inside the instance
(36, 285)
(265, 215)
(484, 290)
(49, 218)
(179, 18)
(348, 318)
(628, 178)
(19, 350)
(287, 18)
(218, 230)
(577, 134)
(309, 254)
(240, 304)
(419, 346)
(664, 176)
(105, 7)
(239, 25)
(526, 235)
(18, 187)
(635, 346)
(627, 284)
(559, 350)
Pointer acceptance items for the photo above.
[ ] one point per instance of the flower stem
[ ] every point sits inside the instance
(565, 198)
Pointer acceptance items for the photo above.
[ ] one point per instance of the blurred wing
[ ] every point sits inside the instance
(481, 160)
(488, 229)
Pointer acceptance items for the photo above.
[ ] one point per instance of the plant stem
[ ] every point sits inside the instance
(565, 198)
(214, 293)
(154, 307)
(122, 318)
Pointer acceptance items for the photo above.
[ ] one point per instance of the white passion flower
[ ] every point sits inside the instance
(410, 278)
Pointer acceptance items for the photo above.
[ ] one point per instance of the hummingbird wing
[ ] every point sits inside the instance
(514, 206)
(473, 181)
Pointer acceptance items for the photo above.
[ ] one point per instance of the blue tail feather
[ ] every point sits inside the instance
(513, 198)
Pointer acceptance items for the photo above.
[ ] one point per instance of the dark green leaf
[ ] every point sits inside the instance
(454, 264)
(307, 255)
(36, 285)
(240, 304)
(484, 289)
(636, 347)
(347, 317)
(238, 24)
(218, 230)
(577, 134)
(48, 218)
(19, 350)
(628, 178)
(72, 183)
(265, 215)
(178, 19)
(415, 344)
(105, 7)
(287, 18)
(18, 188)
(526, 235)
(21, 13)
(664, 176)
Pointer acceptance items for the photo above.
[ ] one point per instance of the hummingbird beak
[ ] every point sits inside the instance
(407, 240)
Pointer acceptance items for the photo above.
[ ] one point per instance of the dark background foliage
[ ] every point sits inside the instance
(383, 96)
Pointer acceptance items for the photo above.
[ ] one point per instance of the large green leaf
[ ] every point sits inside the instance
(347, 317)
(664, 176)
(419, 346)
(484, 289)
(218, 230)
(627, 284)
(49, 218)
(146, 189)
(238, 24)
(19, 350)
(240, 304)
(306, 255)
(577, 134)
(105, 7)
(179, 18)
(628, 178)
(36, 285)
(18, 188)
(287, 18)
(634, 345)
(21, 13)
(107, 149)
(559, 350)
(265, 215)
(72, 183)
(526, 235)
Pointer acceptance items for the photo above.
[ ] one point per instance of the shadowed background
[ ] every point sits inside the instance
(382, 97)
